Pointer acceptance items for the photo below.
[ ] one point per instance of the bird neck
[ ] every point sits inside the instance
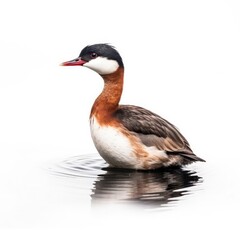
(107, 102)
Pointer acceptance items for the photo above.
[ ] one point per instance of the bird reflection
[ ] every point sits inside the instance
(149, 188)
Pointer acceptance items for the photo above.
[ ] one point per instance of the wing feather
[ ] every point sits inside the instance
(154, 130)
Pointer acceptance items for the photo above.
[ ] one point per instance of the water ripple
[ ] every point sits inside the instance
(87, 166)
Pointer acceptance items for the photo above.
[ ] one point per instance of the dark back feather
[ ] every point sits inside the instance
(154, 130)
(143, 121)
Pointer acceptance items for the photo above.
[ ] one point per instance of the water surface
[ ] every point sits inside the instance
(111, 186)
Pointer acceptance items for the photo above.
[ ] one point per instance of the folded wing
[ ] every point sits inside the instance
(154, 130)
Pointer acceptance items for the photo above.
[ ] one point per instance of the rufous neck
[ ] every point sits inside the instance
(107, 102)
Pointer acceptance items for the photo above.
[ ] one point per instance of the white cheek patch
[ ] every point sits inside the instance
(102, 65)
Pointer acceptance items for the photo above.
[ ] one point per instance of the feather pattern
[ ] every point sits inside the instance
(154, 130)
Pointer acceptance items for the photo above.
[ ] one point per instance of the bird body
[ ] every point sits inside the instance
(128, 136)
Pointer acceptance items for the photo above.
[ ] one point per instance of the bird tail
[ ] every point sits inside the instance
(192, 157)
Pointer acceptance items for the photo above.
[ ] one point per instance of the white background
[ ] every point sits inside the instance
(182, 61)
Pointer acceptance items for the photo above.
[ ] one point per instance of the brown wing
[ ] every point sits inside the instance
(154, 130)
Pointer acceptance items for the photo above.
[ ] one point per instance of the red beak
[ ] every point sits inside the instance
(75, 62)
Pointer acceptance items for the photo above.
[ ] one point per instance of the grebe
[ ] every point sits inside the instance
(128, 136)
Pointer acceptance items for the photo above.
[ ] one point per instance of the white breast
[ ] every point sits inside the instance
(112, 145)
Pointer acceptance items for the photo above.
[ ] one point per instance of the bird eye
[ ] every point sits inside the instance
(93, 55)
